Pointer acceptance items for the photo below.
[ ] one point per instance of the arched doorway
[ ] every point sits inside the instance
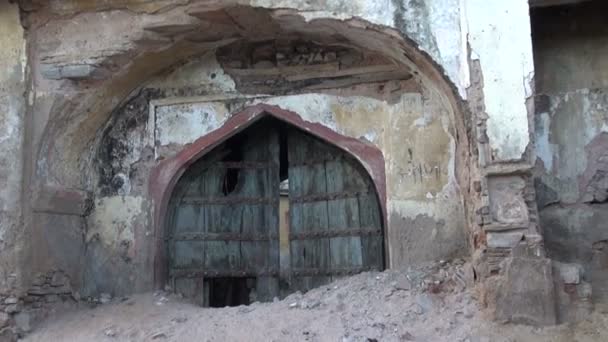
(230, 242)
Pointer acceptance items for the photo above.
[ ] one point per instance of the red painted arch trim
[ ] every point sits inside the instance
(165, 175)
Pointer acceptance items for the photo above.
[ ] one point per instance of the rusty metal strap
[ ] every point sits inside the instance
(327, 233)
(307, 272)
(210, 273)
(227, 236)
(311, 162)
(242, 165)
(228, 200)
(327, 196)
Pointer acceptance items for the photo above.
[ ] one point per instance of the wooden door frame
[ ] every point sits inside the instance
(165, 174)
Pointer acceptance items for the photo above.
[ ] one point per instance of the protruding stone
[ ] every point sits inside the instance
(105, 298)
(4, 319)
(11, 300)
(503, 239)
(568, 273)
(59, 279)
(12, 308)
(526, 294)
(71, 71)
(23, 321)
(52, 298)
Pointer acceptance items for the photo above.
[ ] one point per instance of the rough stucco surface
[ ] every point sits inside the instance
(438, 27)
(12, 106)
(414, 132)
(93, 131)
(111, 244)
(572, 140)
(499, 37)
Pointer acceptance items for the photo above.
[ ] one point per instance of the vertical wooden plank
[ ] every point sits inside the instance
(343, 215)
(272, 216)
(219, 255)
(308, 216)
(370, 216)
(297, 247)
(262, 219)
(186, 254)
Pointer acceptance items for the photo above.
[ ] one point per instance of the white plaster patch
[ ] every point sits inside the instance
(499, 34)
(12, 103)
(575, 118)
(312, 107)
(423, 121)
(113, 219)
(445, 23)
(184, 123)
(203, 71)
(544, 149)
(379, 12)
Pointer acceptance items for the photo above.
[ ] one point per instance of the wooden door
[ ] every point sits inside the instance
(335, 218)
(224, 221)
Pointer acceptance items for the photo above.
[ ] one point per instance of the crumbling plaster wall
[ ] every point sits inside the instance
(414, 131)
(12, 108)
(85, 68)
(571, 52)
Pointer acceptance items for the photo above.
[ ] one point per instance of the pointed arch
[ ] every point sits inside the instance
(166, 174)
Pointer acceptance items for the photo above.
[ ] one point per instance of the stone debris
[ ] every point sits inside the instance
(105, 298)
(180, 319)
(569, 273)
(23, 321)
(159, 336)
(4, 320)
(161, 300)
(428, 303)
(110, 332)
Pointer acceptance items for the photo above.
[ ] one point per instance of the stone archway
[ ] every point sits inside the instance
(80, 92)
(77, 125)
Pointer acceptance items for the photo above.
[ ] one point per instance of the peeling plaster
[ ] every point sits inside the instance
(544, 148)
(419, 158)
(182, 124)
(12, 105)
(573, 120)
(114, 219)
(500, 38)
(424, 121)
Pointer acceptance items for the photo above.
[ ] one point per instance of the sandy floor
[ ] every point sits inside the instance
(427, 304)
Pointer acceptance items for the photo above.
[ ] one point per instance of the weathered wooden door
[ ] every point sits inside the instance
(335, 217)
(224, 222)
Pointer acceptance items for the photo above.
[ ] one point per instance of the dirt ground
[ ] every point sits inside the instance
(429, 303)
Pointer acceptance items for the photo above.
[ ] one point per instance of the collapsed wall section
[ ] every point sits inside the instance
(13, 87)
(101, 122)
(410, 126)
(571, 138)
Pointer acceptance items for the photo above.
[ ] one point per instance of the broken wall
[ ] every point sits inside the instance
(12, 110)
(91, 60)
(412, 128)
(571, 138)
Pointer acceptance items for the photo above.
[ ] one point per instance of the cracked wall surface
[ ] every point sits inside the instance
(571, 46)
(12, 108)
(437, 85)
(413, 130)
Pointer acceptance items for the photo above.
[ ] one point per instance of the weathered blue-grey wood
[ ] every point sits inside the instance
(339, 217)
(202, 204)
(262, 220)
(346, 251)
(307, 254)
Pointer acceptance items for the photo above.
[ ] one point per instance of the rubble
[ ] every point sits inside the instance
(426, 303)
